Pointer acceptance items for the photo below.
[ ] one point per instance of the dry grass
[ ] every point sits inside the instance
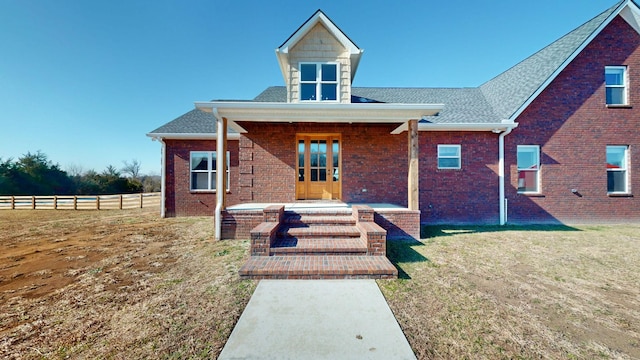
(519, 293)
(112, 284)
(128, 285)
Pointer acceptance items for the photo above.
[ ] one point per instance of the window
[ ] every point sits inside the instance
(448, 156)
(529, 168)
(617, 169)
(203, 170)
(318, 82)
(615, 78)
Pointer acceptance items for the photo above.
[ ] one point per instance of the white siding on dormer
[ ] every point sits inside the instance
(319, 45)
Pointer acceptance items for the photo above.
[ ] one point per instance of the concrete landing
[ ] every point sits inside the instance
(317, 319)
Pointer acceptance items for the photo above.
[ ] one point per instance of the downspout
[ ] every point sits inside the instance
(163, 179)
(220, 188)
(503, 212)
(163, 163)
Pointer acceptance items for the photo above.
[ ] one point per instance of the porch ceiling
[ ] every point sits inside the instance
(319, 113)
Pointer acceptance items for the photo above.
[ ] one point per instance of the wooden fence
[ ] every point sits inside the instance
(81, 202)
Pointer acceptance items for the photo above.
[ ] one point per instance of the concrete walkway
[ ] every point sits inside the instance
(317, 319)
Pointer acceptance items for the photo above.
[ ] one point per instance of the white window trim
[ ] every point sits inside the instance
(625, 169)
(211, 172)
(459, 156)
(624, 85)
(318, 81)
(537, 170)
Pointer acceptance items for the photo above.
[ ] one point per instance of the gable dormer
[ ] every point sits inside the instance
(318, 62)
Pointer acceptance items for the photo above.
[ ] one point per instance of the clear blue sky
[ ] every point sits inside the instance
(84, 81)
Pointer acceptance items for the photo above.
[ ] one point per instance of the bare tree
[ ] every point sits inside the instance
(132, 168)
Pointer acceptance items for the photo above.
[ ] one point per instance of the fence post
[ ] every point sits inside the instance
(75, 202)
(120, 201)
(97, 202)
(141, 200)
(13, 202)
(33, 203)
(55, 202)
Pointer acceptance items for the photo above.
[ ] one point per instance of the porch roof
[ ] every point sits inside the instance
(235, 111)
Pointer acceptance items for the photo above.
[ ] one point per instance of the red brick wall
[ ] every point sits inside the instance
(469, 195)
(571, 123)
(372, 159)
(180, 200)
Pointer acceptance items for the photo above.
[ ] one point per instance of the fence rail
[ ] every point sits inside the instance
(80, 202)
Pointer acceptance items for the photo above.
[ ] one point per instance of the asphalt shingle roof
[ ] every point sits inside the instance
(491, 102)
(507, 92)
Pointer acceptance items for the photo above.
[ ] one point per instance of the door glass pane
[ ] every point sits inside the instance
(314, 174)
(301, 153)
(323, 175)
(301, 174)
(314, 159)
(335, 153)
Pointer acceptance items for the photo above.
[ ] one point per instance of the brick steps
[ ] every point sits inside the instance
(318, 267)
(318, 231)
(318, 246)
(318, 220)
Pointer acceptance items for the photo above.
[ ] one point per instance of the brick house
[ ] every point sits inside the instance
(554, 139)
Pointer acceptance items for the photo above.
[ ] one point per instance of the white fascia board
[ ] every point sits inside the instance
(320, 112)
(627, 4)
(191, 136)
(333, 29)
(494, 127)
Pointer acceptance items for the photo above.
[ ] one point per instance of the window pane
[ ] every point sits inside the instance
(449, 163)
(448, 151)
(314, 174)
(616, 181)
(308, 72)
(527, 158)
(329, 72)
(336, 174)
(199, 181)
(615, 95)
(213, 161)
(616, 157)
(213, 181)
(329, 92)
(314, 160)
(307, 91)
(300, 174)
(528, 181)
(199, 161)
(614, 76)
(323, 174)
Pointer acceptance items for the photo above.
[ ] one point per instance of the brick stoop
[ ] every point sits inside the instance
(318, 244)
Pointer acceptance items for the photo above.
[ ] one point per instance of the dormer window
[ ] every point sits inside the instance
(318, 81)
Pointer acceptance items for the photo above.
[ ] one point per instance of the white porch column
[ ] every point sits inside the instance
(414, 176)
(221, 171)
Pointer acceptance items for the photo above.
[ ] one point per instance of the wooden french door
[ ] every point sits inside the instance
(319, 166)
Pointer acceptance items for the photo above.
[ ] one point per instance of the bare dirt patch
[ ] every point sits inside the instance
(504, 293)
(116, 284)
